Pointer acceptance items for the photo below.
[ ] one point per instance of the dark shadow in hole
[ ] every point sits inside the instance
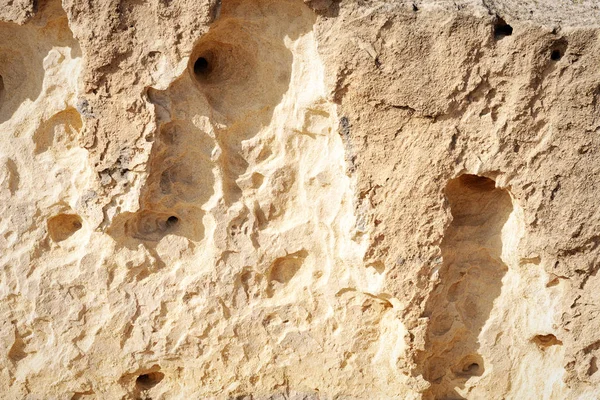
(149, 380)
(502, 29)
(22, 52)
(558, 50)
(555, 55)
(172, 221)
(201, 66)
(470, 281)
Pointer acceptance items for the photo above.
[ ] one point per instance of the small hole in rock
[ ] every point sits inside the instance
(201, 66)
(502, 29)
(62, 226)
(172, 221)
(149, 380)
(471, 369)
(546, 340)
(555, 55)
(470, 366)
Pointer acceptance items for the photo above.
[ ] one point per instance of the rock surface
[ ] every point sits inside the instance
(286, 199)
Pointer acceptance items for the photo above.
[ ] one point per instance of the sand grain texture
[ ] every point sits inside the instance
(287, 199)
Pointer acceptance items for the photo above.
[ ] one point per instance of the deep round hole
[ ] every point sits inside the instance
(556, 55)
(502, 29)
(201, 66)
(172, 220)
(149, 380)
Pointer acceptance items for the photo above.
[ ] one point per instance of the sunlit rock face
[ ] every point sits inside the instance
(287, 199)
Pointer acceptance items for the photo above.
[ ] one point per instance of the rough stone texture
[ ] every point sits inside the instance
(278, 199)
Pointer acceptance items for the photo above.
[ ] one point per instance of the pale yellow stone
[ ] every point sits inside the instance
(286, 199)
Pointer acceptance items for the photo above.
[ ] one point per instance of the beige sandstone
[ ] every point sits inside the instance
(278, 199)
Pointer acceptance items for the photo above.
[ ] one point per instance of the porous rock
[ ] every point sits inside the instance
(288, 199)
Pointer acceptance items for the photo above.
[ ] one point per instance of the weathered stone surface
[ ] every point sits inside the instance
(287, 199)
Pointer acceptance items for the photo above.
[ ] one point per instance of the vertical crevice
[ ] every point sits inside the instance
(470, 281)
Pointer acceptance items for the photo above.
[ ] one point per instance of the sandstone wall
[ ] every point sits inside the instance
(286, 199)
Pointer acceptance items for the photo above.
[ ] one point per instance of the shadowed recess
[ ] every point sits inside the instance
(238, 73)
(284, 269)
(502, 29)
(470, 280)
(23, 49)
(149, 380)
(63, 226)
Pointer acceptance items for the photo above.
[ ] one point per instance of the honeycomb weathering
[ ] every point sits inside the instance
(287, 199)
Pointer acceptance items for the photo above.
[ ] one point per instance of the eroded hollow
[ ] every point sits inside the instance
(149, 380)
(151, 226)
(284, 269)
(240, 58)
(470, 279)
(221, 61)
(544, 341)
(238, 73)
(63, 226)
(471, 365)
(471, 369)
(60, 130)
